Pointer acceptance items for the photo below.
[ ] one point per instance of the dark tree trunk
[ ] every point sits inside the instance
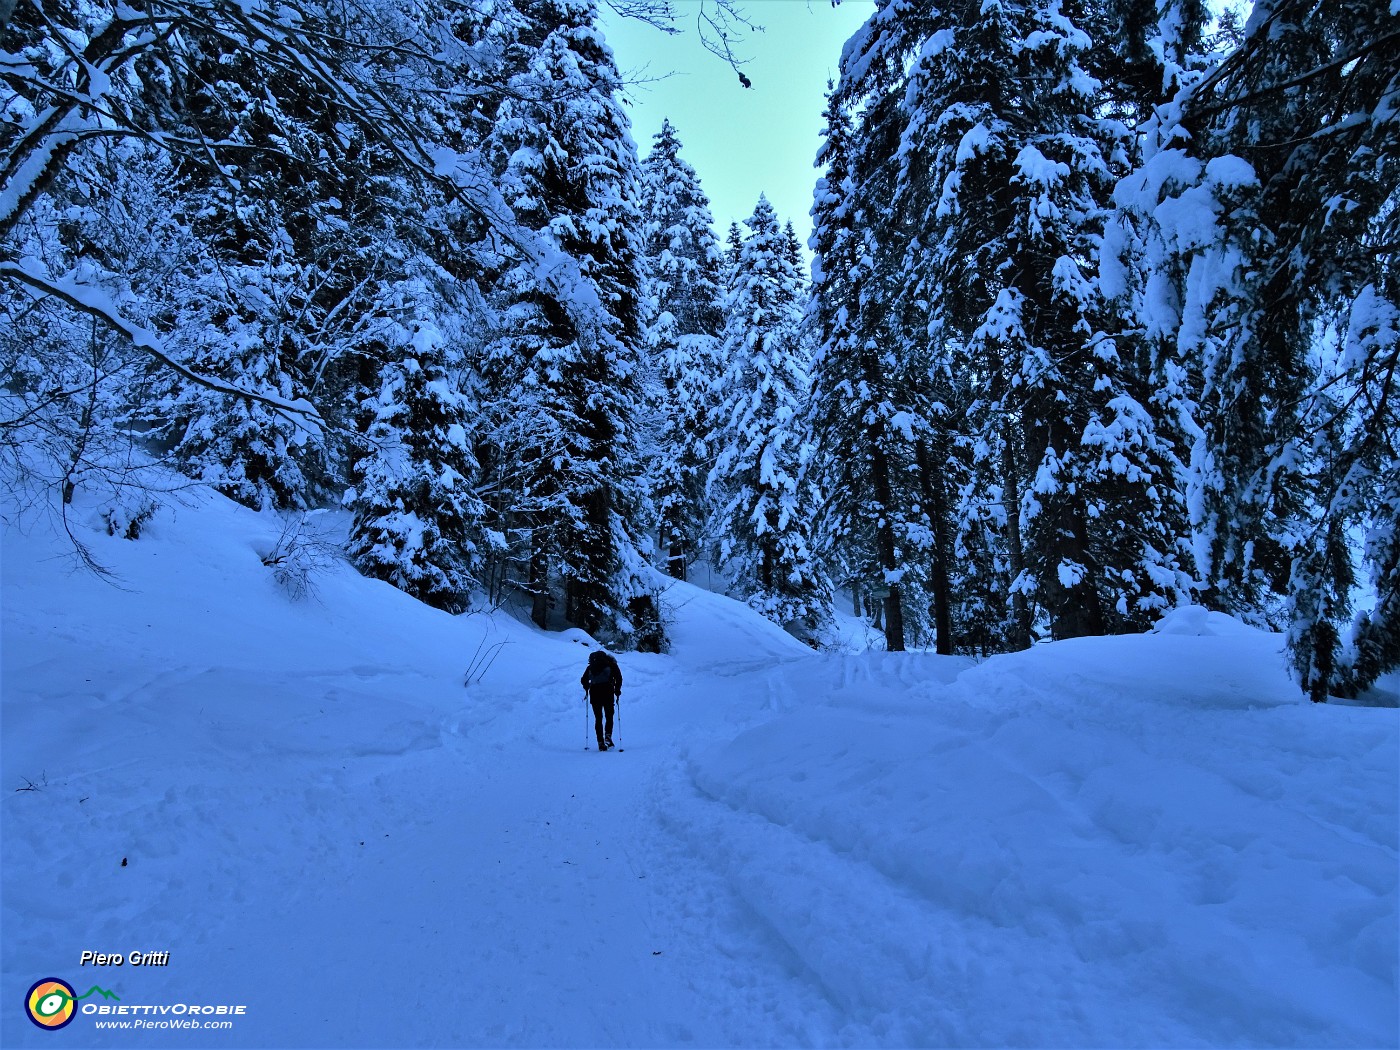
(936, 507)
(1074, 611)
(539, 581)
(886, 549)
(591, 600)
(1019, 635)
(676, 561)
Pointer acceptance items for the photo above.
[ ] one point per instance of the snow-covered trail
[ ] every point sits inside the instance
(501, 893)
(1039, 878)
(318, 821)
(515, 890)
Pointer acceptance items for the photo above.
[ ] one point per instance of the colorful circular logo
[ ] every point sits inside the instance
(50, 1003)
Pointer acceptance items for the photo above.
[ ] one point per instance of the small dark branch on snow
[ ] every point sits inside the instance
(300, 555)
(84, 553)
(481, 661)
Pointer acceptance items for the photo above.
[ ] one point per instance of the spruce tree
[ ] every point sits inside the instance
(683, 261)
(292, 141)
(684, 258)
(417, 517)
(868, 409)
(761, 467)
(258, 214)
(1007, 171)
(1266, 211)
(564, 370)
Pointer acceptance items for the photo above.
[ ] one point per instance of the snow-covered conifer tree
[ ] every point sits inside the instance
(1010, 188)
(683, 255)
(733, 249)
(764, 517)
(292, 156)
(868, 408)
(417, 517)
(684, 263)
(1267, 195)
(259, 215)
(564, 370)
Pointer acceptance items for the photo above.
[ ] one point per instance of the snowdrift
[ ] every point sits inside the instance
(1132, 841)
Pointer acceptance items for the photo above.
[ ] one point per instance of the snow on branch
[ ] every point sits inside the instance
(79, 103)
(96, 302)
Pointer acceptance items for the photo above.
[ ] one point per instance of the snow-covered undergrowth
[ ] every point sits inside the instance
(1141, 841)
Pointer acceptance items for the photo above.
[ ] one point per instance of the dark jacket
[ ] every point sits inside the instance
(610, 686)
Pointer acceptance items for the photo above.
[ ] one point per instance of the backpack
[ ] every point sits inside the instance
(600, 672)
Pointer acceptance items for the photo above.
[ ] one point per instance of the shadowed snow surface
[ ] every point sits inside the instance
(1138, 841)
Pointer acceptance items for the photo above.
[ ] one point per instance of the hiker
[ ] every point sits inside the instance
(602, 686)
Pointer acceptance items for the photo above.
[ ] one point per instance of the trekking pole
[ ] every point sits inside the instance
(619, 717)
(585, 719)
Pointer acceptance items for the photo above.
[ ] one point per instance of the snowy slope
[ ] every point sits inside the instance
(1145, 841)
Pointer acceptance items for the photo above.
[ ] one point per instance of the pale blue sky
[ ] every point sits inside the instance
(741, 141)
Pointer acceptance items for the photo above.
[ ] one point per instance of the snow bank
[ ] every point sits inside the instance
(1113, 842)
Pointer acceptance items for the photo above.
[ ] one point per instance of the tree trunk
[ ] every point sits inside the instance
(885, 548)
(1074, 611)
(1019, 635)
(539, 581)
(676, 561)
(936, 507)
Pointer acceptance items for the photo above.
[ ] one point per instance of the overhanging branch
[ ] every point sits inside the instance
(93, 301)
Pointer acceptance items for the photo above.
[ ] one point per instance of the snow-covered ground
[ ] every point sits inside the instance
(1141, 841)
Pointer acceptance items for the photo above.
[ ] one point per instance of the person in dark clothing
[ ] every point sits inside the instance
(602, 687)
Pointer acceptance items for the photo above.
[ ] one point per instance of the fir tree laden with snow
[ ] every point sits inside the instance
(1330, 199)
(684, 257)
(288, 165)
(417, 517)
(1268, 208)
(683, 263)
(228, 304)
(278, 134)
(867, 408)
(563, 374)
(1008, 167)
(760, 477)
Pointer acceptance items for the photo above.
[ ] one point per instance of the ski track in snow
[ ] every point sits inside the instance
(1122, 842)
